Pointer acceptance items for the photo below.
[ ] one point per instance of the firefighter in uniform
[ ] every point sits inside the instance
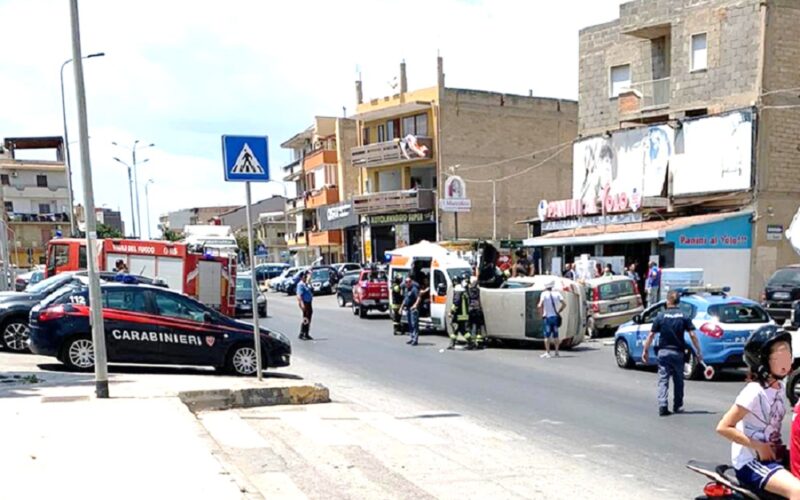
(397, 302)
(459, 315)
(475, 311)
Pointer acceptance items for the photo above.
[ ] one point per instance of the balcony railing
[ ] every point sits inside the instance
(321, 197)
(296, 204)
(394, 201)
(45, 218)
(296, 239)
(653, 94)
(319, 157)
(324, 238)
(391, 152)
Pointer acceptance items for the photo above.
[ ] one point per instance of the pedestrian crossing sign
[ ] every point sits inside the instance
(245, 158)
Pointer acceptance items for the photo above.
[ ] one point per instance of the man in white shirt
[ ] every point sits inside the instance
(550, 306)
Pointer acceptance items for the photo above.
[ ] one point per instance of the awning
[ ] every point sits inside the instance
(391, 111)
(642, 231)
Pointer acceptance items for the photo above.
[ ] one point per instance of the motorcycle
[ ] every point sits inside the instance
(723, 484)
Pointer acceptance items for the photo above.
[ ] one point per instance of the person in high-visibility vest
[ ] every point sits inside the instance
(459, 314)
(397, 301)
(476, 321)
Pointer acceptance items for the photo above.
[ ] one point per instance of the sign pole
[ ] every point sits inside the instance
(254, 292)
(95, 299)
(455, 214)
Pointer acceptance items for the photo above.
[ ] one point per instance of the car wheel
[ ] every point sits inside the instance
(691, 368)
(242, 360)
(362, 312)
(15, 335)
(78, 353)
(793, 387)
(355, 309)
(340, 300)
(623, 354)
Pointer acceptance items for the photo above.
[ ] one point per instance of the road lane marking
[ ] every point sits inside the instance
(229, 430)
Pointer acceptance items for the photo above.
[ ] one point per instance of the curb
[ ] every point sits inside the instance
(225, 399)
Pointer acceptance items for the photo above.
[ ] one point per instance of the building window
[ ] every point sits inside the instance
(365, 136)
(9, 207)
(4, 180)
(699, 52)
(44, 208)
(392, 129)
(41, 181)
(620, 79)
(381, 133)
(416, 125)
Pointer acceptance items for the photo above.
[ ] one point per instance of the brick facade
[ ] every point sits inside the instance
(485, 127)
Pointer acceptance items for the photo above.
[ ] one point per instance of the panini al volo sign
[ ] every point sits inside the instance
(607, 203)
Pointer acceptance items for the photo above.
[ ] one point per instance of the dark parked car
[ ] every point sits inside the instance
(344, 291)
(150, 325)
(323, 280)
(244, 298)
(16, 306)
(265, 272)
(782, 289)
(346, 267)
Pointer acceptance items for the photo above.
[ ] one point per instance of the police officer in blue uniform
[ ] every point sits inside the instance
(304, 299)
(671, 324)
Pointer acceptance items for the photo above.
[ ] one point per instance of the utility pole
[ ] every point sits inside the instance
(494, 210)
(95, 299)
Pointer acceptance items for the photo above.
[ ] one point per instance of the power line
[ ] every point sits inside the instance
(521, 172)
(500, 162)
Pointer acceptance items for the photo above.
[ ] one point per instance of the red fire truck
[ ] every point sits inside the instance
(208, 278)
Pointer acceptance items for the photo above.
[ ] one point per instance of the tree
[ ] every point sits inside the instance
(106, 231)
(170, 235)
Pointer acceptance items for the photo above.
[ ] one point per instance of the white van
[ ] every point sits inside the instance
(431, 264)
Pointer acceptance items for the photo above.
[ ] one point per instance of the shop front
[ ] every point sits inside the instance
(341, 218)
(720, 244)
(385, 232)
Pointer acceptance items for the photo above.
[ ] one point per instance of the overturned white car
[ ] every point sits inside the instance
(511, 311)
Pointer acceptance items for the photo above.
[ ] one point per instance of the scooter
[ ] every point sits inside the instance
(723, 484)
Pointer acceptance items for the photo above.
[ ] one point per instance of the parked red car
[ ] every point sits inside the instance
(371, 291)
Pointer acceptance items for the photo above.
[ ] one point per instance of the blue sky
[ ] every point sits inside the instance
(181, 73)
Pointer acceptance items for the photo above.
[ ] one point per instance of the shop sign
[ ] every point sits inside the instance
(455, 195)
(402, 218)
(596, 220)
(510, 244)
(732, 233)
(607, 203)
(337, 216)
(774, 232)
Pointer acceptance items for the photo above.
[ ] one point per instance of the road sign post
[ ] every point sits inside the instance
(246, 160)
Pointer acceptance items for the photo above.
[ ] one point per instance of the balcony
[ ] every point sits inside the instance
(325, 238)
(391, 153)
(319, 157)
(295, 205)
(321, 197)
(394, 201)
(57, 218)
(296, 240)
(645, 96)
(35, 192)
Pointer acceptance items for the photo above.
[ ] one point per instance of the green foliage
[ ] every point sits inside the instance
(106, 231)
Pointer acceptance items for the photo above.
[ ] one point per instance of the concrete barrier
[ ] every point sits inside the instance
(225, 399)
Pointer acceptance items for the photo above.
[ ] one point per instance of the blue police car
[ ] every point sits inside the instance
(722, 325)
(149, 325)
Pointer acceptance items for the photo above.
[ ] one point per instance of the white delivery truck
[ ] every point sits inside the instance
(218, 240)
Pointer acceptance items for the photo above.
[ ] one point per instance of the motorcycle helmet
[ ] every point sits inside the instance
(758, 347)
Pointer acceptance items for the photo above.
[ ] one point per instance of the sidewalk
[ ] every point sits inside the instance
(58, 441)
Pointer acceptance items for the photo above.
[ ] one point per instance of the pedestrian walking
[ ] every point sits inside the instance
(598, 270)
(632, 274)
(671, 324)
(653, 283)
(568, 272)
(609, 270)
(551, 304)
(304, 299)
(459, 315)
(523, 265)
(409, 306)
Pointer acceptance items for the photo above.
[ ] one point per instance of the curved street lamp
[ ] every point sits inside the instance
(135, 181)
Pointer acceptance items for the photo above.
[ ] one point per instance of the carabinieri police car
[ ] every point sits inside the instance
(722, 326)
(149, 325)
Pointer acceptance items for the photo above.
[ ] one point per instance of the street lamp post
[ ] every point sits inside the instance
(135, 181)
(68, 164)
(130, 187)
(147, 206)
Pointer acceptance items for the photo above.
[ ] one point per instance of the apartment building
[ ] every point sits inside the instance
(410, 143)
(687, 153)
(325, 182)
(34, 196)
(178, 219)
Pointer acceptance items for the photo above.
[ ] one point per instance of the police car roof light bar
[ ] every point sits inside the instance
(714, 290)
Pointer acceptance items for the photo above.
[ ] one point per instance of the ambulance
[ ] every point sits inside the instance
(432, 265)
(210, 279)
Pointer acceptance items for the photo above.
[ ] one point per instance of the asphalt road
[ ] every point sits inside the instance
(581, 403)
